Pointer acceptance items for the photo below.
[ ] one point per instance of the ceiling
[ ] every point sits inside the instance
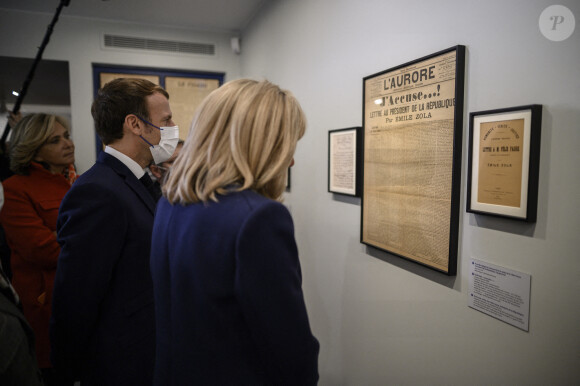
(207, 15)
(204, 15)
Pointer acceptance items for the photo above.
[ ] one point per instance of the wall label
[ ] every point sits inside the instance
(500, 292)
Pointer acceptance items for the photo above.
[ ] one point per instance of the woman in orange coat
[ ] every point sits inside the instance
(42, 157)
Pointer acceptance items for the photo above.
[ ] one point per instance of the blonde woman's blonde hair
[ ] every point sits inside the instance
(27, 138)
(243, 136)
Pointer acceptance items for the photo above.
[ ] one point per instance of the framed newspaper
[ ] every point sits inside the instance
(504, 162)
(344, 166)
(412, 143)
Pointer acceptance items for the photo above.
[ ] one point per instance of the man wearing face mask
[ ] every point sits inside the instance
(159, 171)
(102, 326)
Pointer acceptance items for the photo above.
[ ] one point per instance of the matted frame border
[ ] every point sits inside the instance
(356, 191)
(532, 115)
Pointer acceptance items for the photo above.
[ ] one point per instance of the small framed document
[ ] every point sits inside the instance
(344, 176)
(504, 162)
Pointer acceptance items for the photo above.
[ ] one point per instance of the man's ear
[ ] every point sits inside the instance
(133, 124)
(155, 171)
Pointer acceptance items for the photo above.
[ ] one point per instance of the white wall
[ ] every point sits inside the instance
(78, 41)
(381, 319)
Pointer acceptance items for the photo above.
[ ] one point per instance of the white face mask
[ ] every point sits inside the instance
(167, 143)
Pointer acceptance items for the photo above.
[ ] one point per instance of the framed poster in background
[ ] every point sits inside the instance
(504, 162)
(344, 166)
(186, 89)
(185, 95)
(412, 142)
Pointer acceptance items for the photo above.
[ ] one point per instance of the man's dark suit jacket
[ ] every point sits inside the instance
(228, 296)
(102, 325)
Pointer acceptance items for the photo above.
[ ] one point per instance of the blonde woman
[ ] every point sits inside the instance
(42, 157)
(227, 281)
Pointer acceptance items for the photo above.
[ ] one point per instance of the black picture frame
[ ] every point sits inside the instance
(412, 146)
(344, 161)
(504, 162)
(288, 179)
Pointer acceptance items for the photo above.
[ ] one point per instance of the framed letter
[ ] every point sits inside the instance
(343, 161)
(412, 142)
(504, 162)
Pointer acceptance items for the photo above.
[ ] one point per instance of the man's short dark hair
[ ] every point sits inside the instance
(118, 98)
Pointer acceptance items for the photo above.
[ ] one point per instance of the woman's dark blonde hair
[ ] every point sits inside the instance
(27, 138)
(243, 136)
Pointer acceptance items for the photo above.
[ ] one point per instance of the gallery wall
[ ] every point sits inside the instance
(383, 320)
(80, 42)
(380, 319)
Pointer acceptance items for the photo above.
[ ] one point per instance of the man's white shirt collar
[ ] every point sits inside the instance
(127, 161)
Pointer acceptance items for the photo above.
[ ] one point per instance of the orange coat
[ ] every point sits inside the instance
(29, 219)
